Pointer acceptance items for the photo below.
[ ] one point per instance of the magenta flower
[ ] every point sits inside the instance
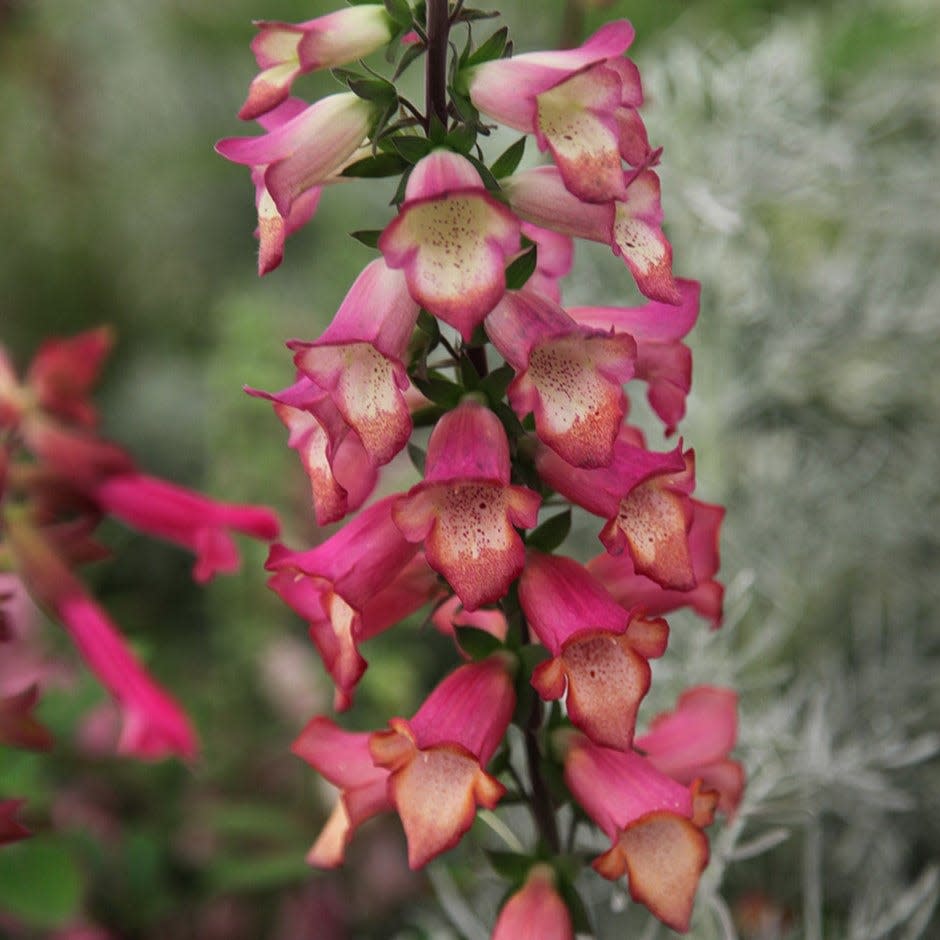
(693, 742)
(305, 150)
(651, 820)
(452, 239)
(465, 510)
(645, 498)
(631, 589)
(662, 360)
(553, 261)
(536, 911)
(569, 377)
(599, 650)
(437, 759)
(579, 103)
(631, 225)
(186, 518)
(339, 588)
(345, 760)
(358, 360)
(285, 50)
(154, 726)
(341, 474)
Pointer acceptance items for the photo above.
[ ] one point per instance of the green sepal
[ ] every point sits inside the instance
(439, 390)
(532, 655)
(489, 49)
(510, 865)
(461, 139)
(551, 533)
(522, 269)
(465, 109)
(410, 147)
(507, 416)
(382, 164)
(428, 324)
(369, 87)
(580, 918)
(496, 383)
(468, 374)
(400, 12)
(507, 162)
(426, 417)
(476, 643)
(408, 56)
(368, 236)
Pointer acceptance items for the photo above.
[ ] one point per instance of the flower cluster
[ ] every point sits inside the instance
(58, 480)
(470, 266)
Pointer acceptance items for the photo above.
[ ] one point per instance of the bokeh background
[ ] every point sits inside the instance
(802, 142)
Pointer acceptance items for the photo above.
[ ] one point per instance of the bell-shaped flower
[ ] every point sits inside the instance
(285, 50)
(343, 758)
(645, 498)
(651, 821)
(358, 360)
(305, 150)
(631, 225)
(619, 575)
(185, 517)
(452, 239)
(341, 474)
(693, 742)
(600, 652)
(579, 103)
(154, 725)
(536, 911)
(553, 260)
(437, 759)
(571, 378)
(338, 588)
(10, 829)
(465, 510)
(662, 361)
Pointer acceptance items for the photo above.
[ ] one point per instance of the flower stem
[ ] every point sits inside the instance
(438, 26)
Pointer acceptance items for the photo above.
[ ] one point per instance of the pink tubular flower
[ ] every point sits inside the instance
(285, 50)
(358, 360)
(341, 474)
(553, 261)
(662, 360)
(436, 759)
(632, 225)
(579, 103)
(569, 377)
(339, 585)
(651, 822)
(694, 740)
(154, 726)
(345, 760)
(305, 150)
(599, 651)
(536, 911)
(631, 589)
(452, 239)
(645, 498)
(465, 509)
(10, 829)
(186, 518)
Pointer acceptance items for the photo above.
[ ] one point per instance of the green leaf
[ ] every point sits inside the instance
(399, 196)
(468, 15)
(368, 236)
(509, 865)
(551, 533)
(521, 269)
(492, 48)
(411, 147)
(400, 12)
(382, 164)
(508, 160)
(468, 374)
(461, 139)
(418, 457)
(425, 417)
(369, 87)
(414, 51)
(476, 643)
(428, 324)
(40, 882)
